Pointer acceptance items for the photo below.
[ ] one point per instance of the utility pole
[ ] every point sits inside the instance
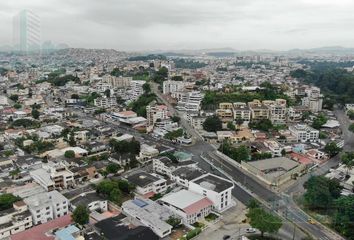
(294, 232)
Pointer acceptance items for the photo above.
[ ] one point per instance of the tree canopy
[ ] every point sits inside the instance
(212, 124)
(321, 192)
(6, 201)
(263, 221)
(332, 149)
(81, 215)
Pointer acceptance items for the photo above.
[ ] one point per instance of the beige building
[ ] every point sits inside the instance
(258, 110)
(277, 110)
(274, 171)
(242, 111)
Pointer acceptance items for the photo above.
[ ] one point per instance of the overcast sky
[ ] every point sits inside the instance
(188, 24)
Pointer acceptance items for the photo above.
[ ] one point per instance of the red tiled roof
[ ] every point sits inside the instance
(149, 195)
(303, 159)
(39, 232)
(197, 206)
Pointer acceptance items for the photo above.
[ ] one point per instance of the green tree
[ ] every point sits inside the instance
(321, 192)
(343, 219)
(174, 134)
(112, 168)
(332, 149)
(175, 119)
(263, 125)
(351, 127)
(347, 159)
(81, 215)
(146, 88)
(212, 124)
(6, 201)
(72, 141)
(174, 222)
(239, 154)
(350, 114)
(14, 97)
(17, 106)
(69, 154)
(264, 221)
(319, 121)
(35, 113)
(107, 92)
(231, 126)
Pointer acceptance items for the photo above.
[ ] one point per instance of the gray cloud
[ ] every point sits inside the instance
(166, 24)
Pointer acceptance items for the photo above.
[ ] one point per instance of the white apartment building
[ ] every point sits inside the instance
(147, 185)
(304, 133)
(15, 220)
(47, 206)
(104, 102)
(241, 111)
(136, 88)
(3, 100)
(274, 147)
(53, 175)
(155, 112)
(215, 188)
(313, 99)
(115, 82)
(277, 110)
(150, 214)
(170, 87)
(197, 122)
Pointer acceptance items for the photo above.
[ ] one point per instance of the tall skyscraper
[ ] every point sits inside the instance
(27, 32)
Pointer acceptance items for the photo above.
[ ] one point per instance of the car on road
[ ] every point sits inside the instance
(226, 237)
(311, 221)
(251, 230)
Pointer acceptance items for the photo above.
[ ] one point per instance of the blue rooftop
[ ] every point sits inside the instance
(140, 203)
(67, 233)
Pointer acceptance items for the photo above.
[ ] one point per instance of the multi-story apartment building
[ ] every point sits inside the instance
(170, 87)
(105, 102)
(155, 112)
(215, 188)
(117, 82)
(313, 99)
(295, 113)
(15, 220)
(242, 111)
(304, 133)
(53, 175)
(136, 89)
(258, 110)
(47, 206)
(277, 110)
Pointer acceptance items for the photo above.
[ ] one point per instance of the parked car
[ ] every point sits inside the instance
(251, 230)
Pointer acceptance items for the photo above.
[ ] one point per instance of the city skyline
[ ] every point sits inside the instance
(157, 25)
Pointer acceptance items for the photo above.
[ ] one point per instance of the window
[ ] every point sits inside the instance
(48, 213)
(47, 208)
(38, 216)
(37, 211)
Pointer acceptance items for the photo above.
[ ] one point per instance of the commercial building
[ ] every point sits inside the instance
(190, 206)
(274, 171)
(27, 31)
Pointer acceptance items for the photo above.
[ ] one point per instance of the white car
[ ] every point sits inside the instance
(251, 230)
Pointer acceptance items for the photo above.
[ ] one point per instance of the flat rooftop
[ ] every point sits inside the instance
(214, 183)
(142, 179)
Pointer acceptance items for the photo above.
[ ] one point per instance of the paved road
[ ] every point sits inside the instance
(293, 213)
